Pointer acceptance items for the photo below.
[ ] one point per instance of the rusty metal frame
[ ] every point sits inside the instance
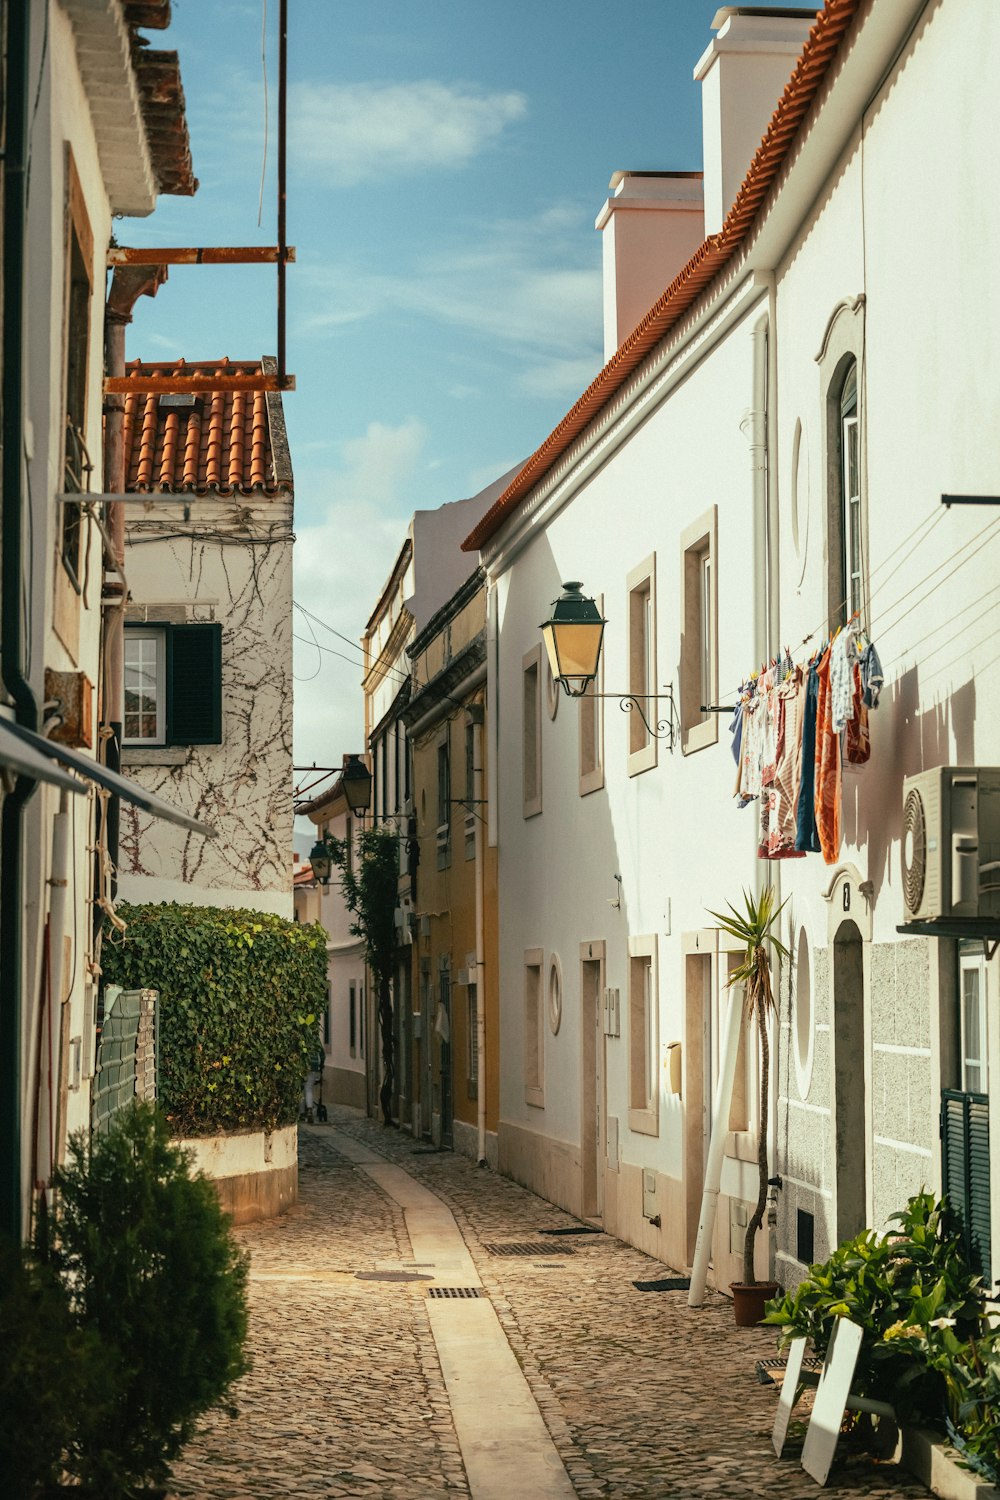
(278, 255)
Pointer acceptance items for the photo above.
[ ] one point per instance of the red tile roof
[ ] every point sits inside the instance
(161, 99)
(224, 442)
(707, 262)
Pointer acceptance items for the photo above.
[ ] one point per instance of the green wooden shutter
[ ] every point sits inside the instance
(194, 685)
(965, 1164)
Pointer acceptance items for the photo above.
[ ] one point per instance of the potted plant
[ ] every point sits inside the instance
(754, 928)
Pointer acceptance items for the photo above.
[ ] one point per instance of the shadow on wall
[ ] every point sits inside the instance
(905, 741)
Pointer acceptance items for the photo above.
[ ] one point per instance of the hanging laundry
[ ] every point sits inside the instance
(857, 740)
(842, 654)
(871, 676)
(782, 828)
(806, 836)
(828, 782)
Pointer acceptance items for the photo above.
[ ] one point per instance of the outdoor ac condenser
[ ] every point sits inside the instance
(951, 843)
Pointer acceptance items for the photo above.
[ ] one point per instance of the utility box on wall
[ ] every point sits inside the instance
(74, 694)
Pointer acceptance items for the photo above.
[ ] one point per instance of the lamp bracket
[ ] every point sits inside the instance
(662, 729)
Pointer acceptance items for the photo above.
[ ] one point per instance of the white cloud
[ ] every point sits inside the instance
(354, 132)
(554, 379)
(341, 563)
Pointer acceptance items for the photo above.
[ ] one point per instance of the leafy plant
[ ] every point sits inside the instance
(754, 928)
(153, 1280)
(916, 1299)
(240, 997)
(371, 892)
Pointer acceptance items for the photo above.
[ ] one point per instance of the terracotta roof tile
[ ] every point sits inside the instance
(705, 264)
(227, 442)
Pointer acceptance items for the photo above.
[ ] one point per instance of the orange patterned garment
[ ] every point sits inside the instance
(827, 795)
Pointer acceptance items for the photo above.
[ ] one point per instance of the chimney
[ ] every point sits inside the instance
(651, 225)
(743, 72)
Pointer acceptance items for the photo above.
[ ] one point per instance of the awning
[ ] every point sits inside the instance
(17, 755)
(46, 751)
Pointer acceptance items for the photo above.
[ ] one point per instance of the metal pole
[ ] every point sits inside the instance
(282, 155)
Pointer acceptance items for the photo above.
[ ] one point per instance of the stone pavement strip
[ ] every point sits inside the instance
(364, 1387)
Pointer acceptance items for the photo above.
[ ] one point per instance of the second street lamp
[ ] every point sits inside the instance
(573, 639)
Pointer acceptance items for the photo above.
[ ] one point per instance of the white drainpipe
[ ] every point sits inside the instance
(755, 424)
(477, 794)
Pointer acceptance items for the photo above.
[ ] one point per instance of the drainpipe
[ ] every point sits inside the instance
(757, 425)
(476, 715)
(128, 284)
(12, 623)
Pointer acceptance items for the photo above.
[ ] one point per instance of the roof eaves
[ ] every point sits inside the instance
(706, 263)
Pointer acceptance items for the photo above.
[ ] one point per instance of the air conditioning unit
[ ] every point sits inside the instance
(951, 843)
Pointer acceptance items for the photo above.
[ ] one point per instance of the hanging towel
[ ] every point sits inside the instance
(806, 836)
(828, 783)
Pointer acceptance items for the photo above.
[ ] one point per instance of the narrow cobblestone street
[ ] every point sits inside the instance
(642, 1396)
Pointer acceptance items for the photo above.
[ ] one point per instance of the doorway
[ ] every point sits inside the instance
(592, 1126)
(849, 1066)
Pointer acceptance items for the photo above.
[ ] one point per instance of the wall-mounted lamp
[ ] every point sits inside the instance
(356, 780)
(573, 638)
(321, 858)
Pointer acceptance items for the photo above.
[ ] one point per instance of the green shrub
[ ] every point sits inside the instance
(240, 997)
(921, 1308)
(154, 1281)
(53, 1374)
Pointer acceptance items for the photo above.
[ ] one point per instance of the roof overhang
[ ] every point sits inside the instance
(104, 54)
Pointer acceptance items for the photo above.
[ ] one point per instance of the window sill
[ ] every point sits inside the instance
(163, 755)
(699, 736)
(534, 1097)
(642, 760)
(741, 1145)
(644, 1121)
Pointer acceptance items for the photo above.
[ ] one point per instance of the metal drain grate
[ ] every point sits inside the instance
(576, 1229)
(665, 1284)
(529, 1248)
(772, 1371)
(453, 1291)
(391, 1276)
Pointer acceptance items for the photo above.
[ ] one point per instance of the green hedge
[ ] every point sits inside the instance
(241, 994)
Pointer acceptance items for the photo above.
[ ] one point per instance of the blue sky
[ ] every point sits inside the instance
(447, 160)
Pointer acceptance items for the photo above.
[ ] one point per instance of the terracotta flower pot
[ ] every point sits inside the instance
(749, 1301)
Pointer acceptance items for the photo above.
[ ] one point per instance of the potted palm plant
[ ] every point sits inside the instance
(753, 927)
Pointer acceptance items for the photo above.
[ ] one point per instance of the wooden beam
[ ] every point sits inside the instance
(207, 255)
(115, 385)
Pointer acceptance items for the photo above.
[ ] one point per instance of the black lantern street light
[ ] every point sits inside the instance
(356, 780)
(321, 858)
(573, 639)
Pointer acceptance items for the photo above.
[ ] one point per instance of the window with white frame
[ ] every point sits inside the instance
(641, 616)
(643, 1032)
(172, 680)
(841, 365)
(472, 1044)
(850, 493)
(972, 1019)
(531, 730)
(699, 639)
(534, 1036)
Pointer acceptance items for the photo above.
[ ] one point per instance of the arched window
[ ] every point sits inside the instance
(852, 564)
(841, 367)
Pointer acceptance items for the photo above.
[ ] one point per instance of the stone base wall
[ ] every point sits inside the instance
(256, 1174)
(344, 1086)
(466, 1139)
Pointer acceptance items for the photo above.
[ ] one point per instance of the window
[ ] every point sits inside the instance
(79, 295)
(444, 801)
(534, 1040)
(841, 368)
(699, 644)
(590, 709)
(531, 731)
(352, 1014)
(173, 685)
(471, 810)
(641, 615)
(972, 1020)
(644, 1101)
(472, 1050)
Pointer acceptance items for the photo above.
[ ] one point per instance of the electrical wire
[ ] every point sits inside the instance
(263, 65)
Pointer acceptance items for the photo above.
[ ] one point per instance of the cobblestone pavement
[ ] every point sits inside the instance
(644, 1397)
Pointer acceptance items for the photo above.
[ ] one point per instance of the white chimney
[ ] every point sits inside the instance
(743, 73)
(651, 225)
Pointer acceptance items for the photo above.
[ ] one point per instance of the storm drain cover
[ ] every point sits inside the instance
(453, 1291)
(391, 1276)
(772, 1371)
(529, 1248)
(665, 1284)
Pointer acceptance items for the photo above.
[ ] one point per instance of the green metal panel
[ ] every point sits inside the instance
(965, 1166)
(126, 1054)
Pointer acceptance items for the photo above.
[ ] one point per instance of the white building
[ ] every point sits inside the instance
(208, 642)
(94, 128)
(772, 439)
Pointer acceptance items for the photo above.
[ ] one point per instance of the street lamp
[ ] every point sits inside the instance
(321, 858)
(573, 638)
(356, 780)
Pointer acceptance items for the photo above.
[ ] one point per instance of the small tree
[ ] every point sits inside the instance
(371, 889)
(753, 928)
